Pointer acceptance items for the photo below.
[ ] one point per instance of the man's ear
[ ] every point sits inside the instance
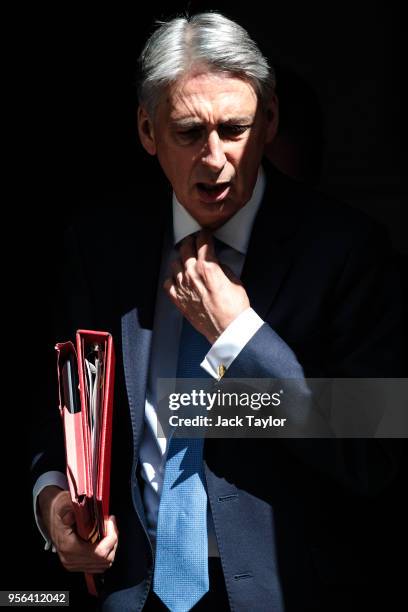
(146, 130)
(272, 119)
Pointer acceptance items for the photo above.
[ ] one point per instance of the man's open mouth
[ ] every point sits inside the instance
(213, 189)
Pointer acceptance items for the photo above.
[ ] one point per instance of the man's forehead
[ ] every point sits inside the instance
(216, 105)
(231, 95)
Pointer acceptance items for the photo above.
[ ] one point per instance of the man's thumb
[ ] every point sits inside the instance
(67, 516)
(110, 526)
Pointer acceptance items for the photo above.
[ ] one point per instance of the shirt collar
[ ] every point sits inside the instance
(235, 232)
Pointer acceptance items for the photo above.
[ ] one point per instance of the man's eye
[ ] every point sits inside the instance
(229, 131)
(189, 134)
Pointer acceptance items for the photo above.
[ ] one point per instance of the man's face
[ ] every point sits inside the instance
(209, 133)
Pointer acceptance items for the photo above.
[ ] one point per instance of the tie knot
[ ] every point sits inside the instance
(219, 245)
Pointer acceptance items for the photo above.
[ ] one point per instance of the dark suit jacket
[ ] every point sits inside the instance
(292, 517)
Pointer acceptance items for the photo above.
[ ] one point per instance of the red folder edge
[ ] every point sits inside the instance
(83, 474)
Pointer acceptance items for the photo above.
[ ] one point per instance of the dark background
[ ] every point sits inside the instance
(78, 141)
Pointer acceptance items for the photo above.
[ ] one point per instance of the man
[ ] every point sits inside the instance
(295, 285)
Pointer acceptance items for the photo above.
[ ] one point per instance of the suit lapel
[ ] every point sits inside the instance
(270, 255)
(137, 321)
(136, 342)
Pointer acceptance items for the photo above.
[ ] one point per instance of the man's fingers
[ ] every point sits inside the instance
(106, 548)
(205, 246)
(168, 284)
(77, 555)
(188, 278)
(187, 249)
(112, 530)
(65, 514)
(177, 271)
(172, 293)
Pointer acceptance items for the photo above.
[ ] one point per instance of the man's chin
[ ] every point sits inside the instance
(214, 215)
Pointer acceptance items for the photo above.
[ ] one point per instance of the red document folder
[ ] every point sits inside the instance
(86, 382)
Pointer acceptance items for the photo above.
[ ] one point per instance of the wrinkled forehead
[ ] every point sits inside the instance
(204, 94)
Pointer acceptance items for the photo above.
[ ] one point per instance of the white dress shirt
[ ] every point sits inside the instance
(234, 235)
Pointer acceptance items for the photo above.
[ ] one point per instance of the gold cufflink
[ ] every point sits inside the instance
(221, 370)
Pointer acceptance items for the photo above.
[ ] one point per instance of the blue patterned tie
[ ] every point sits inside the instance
(181, 566)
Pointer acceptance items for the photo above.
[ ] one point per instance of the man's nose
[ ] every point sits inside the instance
(213, 155)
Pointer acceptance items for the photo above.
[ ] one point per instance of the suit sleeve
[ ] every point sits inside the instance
(364, 341)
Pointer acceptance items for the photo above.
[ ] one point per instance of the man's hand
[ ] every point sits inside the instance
(75, 554)
(209, 295)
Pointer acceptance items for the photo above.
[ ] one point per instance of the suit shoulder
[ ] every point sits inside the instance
(320, 213)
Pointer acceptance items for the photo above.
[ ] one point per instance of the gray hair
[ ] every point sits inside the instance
(207, 39)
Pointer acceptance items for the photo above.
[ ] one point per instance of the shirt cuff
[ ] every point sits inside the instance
(231, 342)
(57, 479)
